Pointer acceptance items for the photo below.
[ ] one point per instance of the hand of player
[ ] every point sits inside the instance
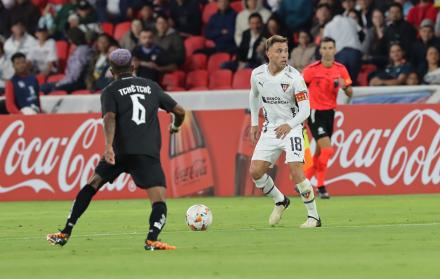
(253, 134)
(173, 129)
(341, 83)
(282, 130)
(109, 155)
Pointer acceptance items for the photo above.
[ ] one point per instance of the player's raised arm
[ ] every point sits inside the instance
(254, 107)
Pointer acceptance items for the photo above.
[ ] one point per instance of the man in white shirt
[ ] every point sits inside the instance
(286, 106)
(44, 55)
(348, 47)
(19, 41)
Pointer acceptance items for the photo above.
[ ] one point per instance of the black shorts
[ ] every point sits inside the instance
(146, 171)
(321, 123)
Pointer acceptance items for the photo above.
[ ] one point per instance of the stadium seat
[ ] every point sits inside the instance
(208, 11)
(220, 79)
(193, 43)
(107, 28)
(197, 80)
(173, 80)
(237, 6)
(55, 78)
(41, 79)
(82, 92)
(242, 79)
(366, 69)
(62, 53)
(121, 29)
(216, 60)
(58, 2)
(196, 62)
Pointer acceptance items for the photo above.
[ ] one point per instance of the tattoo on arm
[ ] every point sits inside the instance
(109, 127)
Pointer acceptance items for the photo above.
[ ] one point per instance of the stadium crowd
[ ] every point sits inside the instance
(200, 44)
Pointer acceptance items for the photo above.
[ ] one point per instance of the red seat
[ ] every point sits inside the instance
(197, 79)
(55, 78)
(107, 28)
(242, 79)
(63, 54)
(366, 69)
(82, 92)
(196, 62)
(237, 6)
(216, 60)
(58, 93)
(58, 2)
(220, 79)
(41, 79)
(208, 11)
(121, 29)
(194, 43)
(173, 80)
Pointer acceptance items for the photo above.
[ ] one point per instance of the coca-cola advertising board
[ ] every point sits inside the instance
(379, 149)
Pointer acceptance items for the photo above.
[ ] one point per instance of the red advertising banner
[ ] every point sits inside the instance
(380, 149)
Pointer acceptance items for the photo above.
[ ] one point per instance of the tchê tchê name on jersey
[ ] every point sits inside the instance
(135, 89)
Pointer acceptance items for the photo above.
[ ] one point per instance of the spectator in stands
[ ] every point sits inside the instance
(323, 15)
(131, 39)
(19, 41)
(421, 11)
(146, 16)
(356, 16)
(247, 56)
(406, 5)
(420, 47)
(304, 53)
(366, 8)
(61, 18)
(6, 70)
(431, 75)
(148, 57)
(221, 28)
(413, 79)
(274, 26)
(396, 72)
(242, 20)
(25, 12)
(44, 54)
(161, 7)
(3, 24)
(172, 44)
(373, 46)
(96, 74)
(22, 89)
(88, 20)
(186, 16)
(74, 75)
(348, 47)
(295, 14)
(116, 11)
(272, 5)
(46, 18)
(348, 5)
(399, 30)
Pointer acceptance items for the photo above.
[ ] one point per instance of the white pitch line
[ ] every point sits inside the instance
(228, 230)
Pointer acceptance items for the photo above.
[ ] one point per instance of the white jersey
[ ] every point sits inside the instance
(277, 94)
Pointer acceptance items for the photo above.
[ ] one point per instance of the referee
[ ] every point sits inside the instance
(132, 145)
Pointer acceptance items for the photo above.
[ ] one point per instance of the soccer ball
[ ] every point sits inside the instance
(198, 217)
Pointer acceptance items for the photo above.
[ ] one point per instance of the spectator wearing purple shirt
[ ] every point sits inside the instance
(74, 75)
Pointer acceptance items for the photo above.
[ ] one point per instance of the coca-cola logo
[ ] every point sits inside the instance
(397, 151)
(33, 156)
(191, 172)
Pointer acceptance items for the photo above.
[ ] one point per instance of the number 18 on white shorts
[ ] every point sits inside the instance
(269, 147)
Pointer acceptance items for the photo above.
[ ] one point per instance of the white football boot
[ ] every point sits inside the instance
(278, 210)
(311, 222)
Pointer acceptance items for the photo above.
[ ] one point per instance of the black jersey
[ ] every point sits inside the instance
(136, 102)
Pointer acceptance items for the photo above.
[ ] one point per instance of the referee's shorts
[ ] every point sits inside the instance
(321, 123)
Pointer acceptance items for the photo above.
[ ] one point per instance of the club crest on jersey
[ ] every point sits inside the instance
(284, 86)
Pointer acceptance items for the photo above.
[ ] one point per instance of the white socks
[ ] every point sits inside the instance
(265, 183)
(308, 197)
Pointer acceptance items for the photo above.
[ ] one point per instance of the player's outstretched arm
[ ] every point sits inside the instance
(178, 114)
(109, 131)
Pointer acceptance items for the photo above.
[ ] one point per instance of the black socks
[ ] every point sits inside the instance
(158, 218)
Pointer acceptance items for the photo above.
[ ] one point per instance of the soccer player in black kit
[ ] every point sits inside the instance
(132, 145)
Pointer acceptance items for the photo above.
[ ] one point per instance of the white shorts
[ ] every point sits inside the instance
(269, 147)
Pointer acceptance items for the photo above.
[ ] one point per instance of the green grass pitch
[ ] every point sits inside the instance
(392, 237)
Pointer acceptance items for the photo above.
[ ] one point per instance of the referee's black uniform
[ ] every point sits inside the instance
(137, 142)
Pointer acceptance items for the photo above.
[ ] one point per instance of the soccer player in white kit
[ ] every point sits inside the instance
(281, 91)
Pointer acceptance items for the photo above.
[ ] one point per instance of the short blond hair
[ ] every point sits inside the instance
(275, 39)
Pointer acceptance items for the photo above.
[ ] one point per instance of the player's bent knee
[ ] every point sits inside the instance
(256, 172)
(96, 181)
